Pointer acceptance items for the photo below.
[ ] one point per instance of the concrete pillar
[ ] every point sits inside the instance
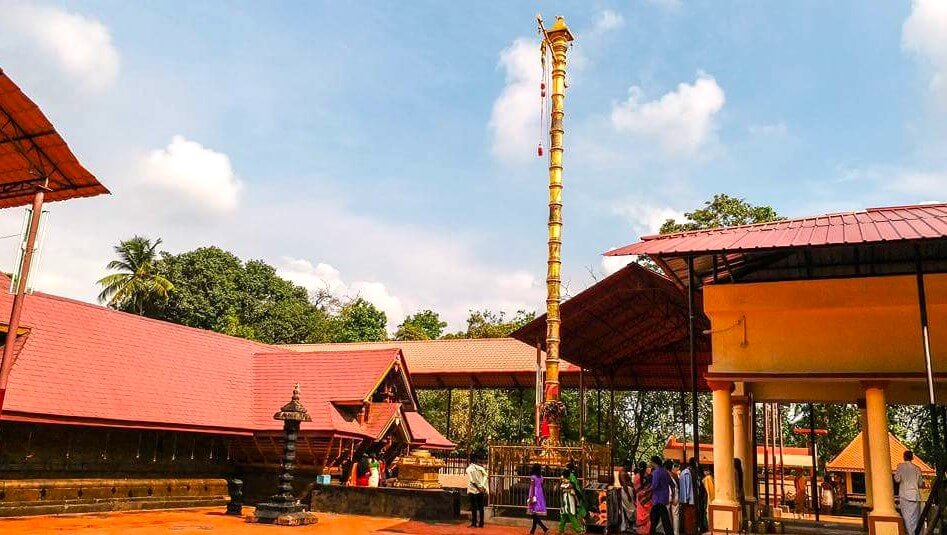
(866, 452)
(883, 518)
(724, 511)
(742, 442)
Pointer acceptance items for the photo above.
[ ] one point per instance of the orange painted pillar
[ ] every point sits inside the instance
(724, 511)
(884, 518)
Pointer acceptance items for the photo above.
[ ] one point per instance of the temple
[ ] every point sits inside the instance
(103, 403)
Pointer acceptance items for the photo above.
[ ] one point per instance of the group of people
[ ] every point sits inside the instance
(664, 497)
(659, 497)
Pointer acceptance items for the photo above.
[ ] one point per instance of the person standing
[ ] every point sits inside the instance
(643, 500)
(660, 497)
(627, 490)
(373, 471)
(801, 484)
(908, 478)
(536, 502)
(476, 490)
(569, 505)
(687, 496)
(674, 508)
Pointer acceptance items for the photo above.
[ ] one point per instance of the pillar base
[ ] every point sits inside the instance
(724, 518)
(886, 525)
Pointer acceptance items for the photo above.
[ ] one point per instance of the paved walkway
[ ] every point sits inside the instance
(204, 521)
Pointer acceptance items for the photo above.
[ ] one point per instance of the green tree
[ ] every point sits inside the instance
(425, 325)
(722, 211)
(489, 324)
(360, 321)
(215, 290)
(137, 287)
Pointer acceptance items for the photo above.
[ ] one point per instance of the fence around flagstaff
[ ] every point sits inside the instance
(509, 472)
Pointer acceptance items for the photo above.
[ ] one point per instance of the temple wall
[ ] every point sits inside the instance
(51, 469)
(830, 326)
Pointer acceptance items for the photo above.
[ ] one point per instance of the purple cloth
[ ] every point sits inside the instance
(660, 486)
(537, 507)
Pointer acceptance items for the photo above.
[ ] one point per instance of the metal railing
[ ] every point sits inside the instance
(509, 472)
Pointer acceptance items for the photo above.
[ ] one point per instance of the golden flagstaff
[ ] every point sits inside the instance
(556, 42)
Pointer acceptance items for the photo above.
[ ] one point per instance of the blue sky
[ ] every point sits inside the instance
(388, 149)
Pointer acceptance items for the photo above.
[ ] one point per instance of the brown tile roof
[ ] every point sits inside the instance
(450, 355)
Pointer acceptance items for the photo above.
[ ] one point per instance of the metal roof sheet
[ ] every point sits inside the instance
(32, 152)
(873, 225)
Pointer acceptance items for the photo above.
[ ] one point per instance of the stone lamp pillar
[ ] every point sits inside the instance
(283, 508)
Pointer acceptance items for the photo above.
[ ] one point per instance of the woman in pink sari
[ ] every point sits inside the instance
(643, 499)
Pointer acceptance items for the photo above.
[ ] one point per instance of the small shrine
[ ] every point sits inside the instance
(418, 471)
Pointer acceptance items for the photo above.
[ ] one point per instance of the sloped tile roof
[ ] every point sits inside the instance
(852, 458)
(424, 434)
(85, 364)
(456, 355)
(380, 416)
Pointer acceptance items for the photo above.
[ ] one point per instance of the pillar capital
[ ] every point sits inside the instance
(720, 385)
(740, 401)
(876, 384)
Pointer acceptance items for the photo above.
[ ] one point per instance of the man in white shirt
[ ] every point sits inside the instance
(908, 477)
(477, 491)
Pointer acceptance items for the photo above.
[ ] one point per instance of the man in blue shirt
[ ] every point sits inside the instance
(660, 497)
(688, 498)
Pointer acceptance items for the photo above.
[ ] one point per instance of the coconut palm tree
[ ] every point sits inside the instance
(137, 283)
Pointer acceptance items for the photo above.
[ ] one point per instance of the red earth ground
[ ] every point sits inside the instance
(205, 521)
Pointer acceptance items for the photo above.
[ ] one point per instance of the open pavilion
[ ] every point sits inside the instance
(840, 308)
(36, 166)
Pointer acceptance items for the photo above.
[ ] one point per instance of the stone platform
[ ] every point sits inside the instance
(416, 504)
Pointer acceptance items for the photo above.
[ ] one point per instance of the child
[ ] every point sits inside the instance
(536, 503)
(569, 508)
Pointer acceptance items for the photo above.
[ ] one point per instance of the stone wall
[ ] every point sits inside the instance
(418, 504)
(48, 469)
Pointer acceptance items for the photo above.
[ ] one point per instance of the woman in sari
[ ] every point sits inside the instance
(643, 500)
(627, 481)
(536, 502)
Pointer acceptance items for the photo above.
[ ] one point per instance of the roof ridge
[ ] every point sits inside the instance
(136, 317)
(277, 353)
(384, 342)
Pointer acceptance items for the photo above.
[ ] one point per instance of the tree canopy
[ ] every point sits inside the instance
(722, 211)
(425, 325)
(138, 286)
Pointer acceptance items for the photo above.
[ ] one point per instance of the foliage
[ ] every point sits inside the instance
(215, 290)
(489, 324)
(425, 325)
(360, 321)
(209, 288)
(722, 211)
(137, 287)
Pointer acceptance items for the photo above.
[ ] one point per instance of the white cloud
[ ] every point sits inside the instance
(323, 276)
(80, 46)
(514, 121)
(881, 183)
(646, 218)
(680, 122)
(923, 33)
(607, 21)
(202, 177)
(611, 264)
